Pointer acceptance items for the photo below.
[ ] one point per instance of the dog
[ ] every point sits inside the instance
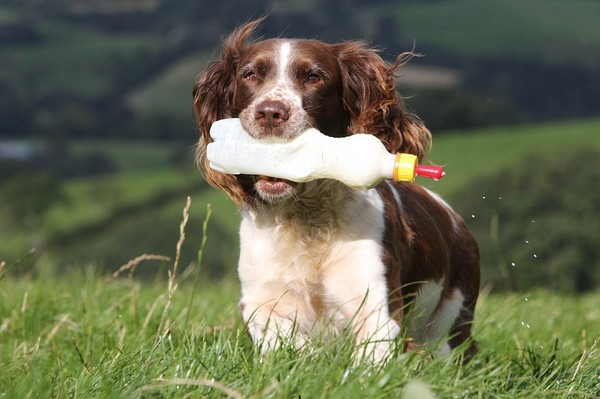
(387, 262)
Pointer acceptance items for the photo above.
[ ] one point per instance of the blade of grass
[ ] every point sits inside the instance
(199, 261)
(172, 285)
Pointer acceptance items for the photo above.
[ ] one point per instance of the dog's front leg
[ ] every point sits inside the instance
(375, 332)
(271, 324)
(357, 287)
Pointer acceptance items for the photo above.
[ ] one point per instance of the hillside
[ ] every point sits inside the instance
(98, 69)
(101, 93)
(468, 155)
(528, 31)
(108, 220)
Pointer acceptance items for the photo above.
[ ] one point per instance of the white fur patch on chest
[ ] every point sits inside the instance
(314, 265)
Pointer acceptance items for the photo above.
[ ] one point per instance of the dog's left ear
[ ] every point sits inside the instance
(374, 105)
(213, 96)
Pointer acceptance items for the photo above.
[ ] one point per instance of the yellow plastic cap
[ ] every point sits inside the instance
(405, 167)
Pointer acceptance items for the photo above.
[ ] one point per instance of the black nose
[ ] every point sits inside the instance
(271, 113)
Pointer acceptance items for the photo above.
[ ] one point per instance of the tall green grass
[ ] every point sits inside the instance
(100, 335)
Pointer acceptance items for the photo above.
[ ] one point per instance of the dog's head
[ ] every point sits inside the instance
(281, 87)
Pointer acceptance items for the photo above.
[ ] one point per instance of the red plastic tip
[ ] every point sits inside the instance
(433, 172)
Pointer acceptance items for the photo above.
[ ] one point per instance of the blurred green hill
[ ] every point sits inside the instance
(97, 135)
(108, 68)
(499, 179)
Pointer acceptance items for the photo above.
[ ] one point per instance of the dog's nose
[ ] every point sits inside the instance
(271, 113)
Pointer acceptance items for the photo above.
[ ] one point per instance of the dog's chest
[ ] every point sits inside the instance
(294, 252)
(279, 266)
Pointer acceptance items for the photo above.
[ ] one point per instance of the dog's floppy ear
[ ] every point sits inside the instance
(373, 103)
(214, 95)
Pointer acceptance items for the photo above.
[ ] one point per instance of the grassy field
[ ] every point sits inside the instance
(87, 334)
(92, 335)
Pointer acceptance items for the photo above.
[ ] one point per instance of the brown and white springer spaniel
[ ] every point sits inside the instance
(319, 254)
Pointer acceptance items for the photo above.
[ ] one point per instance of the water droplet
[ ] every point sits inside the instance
(534, 255)
(483, 197)
(513, 264)
(473, 216)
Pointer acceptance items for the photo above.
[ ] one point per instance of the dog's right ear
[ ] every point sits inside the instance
(214, 99)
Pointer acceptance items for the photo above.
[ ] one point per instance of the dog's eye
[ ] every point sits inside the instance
(250, 76)
(313, 78)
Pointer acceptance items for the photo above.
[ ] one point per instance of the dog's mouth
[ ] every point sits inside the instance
(273, 189)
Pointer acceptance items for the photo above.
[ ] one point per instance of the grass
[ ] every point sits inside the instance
(93, 335)
(89, 336)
